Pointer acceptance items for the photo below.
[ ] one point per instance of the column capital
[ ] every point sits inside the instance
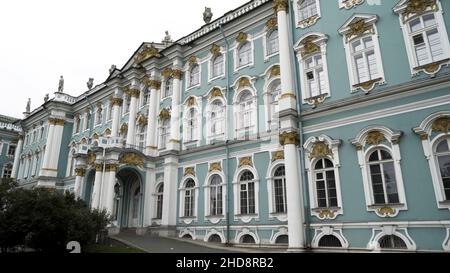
(98, 167)
(56, 121)
(177, 73)
(289, 138)
(280, 5)
(112, 167)
(80, 171)
(132, 92)
(116, 101)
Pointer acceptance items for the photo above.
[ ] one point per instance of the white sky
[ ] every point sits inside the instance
(42, 40)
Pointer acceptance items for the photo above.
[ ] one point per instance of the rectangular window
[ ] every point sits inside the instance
(307, 9)
(315, 76)
(364, 60)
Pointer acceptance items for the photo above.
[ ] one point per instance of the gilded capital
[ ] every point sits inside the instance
(98, 167)
(80, 171)
(116, 101)
(280, 5)
(289, 138)
(111, 167)
(154, 85)
(176, 74)
(56, 121)
(134, 93)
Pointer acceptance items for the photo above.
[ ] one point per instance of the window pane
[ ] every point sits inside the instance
(385, 155)
(391, 185)
(415, 25)
(329, 164)
(429, 20)
(442, 146)
(368, 42)
(361, 69)
(434, 40)
(372, 61)
(319, 165)
(357, 46)
(374, 156)
(444, 168)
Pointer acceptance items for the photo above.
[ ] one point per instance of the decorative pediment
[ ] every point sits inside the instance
(131, 159)
(374, 135)
(309, 47)
(358, 25)
(147, 52)
(412, 8)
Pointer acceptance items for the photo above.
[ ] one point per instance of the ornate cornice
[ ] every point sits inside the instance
(280, 5)
(289, 138)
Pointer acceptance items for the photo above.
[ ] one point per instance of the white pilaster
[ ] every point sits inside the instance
(108, 188)
(149, 201)
(174, 140)
(131, 135)
(97, 186)
(17, 157)
(56, 144)
(169, 212)
(151, 145)
(48, 150)
(79, 181)
(116, 102)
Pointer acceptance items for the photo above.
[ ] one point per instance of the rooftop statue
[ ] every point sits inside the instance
(61, 84)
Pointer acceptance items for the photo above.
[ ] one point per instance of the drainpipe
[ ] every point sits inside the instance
(300, 127)
(227, 149)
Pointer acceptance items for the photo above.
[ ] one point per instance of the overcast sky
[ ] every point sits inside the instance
(42, 40)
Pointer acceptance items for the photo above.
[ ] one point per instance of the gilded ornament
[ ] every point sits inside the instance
(432, 68)
(149, 51)
(368, 85)
(245, 161)
(131, 159)
(80, 171)
(423, 136)
(134, 93)
(441, 124)
(314, 101)
(164, 114)
(244, 82)
(358, 28)
(189, 171)
(320, 149)
(309, 21)
(286, 95)
(95, 136)
(176, 74)
(56, 121)
(420, 6)
(272, 23)
(155, 85)
(124, 129)
(386, 211)
(216, 166)
(374, 138)
(192, 60)
(326, 214)
(116, 101)
(309, 47)
(348, 4)
(98, 167)
(278, 155)
(216, 92)
(191, 101)
(275, 71)
(167, 72)
(242, 37)
(289, 138)
(111, 167)
(215, 50)
(280, 5)
(142, 120)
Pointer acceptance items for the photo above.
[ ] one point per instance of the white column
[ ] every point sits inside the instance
(79, 181)
(152, 126)
(174, 140)
(288, 99)
(48, 150)
(169, 213)
(56, 145)
(17, 157)
(97, 186)
(108, 188)
(149, 201)
(116, 103)
(131, 135)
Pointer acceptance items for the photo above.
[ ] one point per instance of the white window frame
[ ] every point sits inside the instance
(266, 40)
(269, 82)
(404, 20)
(246, 218)
(236, 48)
(209, 121)
(164, 87)
(198, 131)
(402, 233)
(214, 219)
(253, 129)
(139, 133)
(212, 58)
(306, 22)
(156, 195)
(310, 162)
(188, 219)
(327, 230)
(161, 126)
(270, 178)
(345, 31)
(188, 70)
(429, 140)
(390, 143)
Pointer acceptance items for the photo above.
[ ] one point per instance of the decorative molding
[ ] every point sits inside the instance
(272, 23)
(274, 71)
(177, 74)
(386, 212)
(316, 100)
(215, 50)
(242, 37)
(244, 82)
(167, 72)
(320, 149)
(368, 85)
(309, 47)
(441, 124)
(278, 155)
(164, 114)
(280, 5)
(348, 4)
(245, 161)
(308, 21)
(374, 138)
(131, 159)
(289, 138)
(192, 60)
(189, 171)
(216, 92)
(80, 171)
(359, 28)
(418, 7)
(326, 214)
(149, 51)
(216, 166)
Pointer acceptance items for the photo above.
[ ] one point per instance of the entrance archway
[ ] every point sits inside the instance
(130, 202)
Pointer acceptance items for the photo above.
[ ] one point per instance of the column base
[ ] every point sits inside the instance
(46, 184)
(151, 151)
(287, 101)
(173, 145)
(48, 173)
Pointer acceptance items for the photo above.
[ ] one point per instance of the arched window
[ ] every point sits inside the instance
(191, 125)
(168, 87)
(392, 242)
(325, 183)
(77, 124)
(141, 135)
(164, 132)
(382, 177)
(217, 118)
(282, 239)
(246, 110)
(215, 195)
(272, 42)
(214, 239)
(159, 200)
(307, 9)
(279, 190)
(329, 241)
(194, 75)
(275, 92)
(442, 154)
(247, 193)
(189, 198)
(245, 54)
(126, 104)
(217, 66)
(247, 239)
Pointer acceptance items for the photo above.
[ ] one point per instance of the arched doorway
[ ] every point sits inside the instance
(129, 206)
(89, 187)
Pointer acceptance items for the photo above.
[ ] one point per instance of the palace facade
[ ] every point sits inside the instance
(314, 123)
